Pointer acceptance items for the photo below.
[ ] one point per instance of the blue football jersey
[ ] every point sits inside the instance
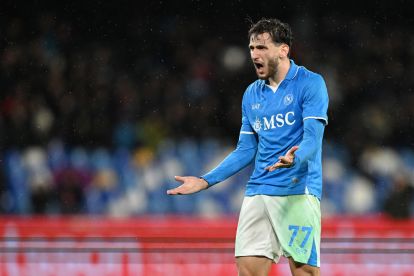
(276, 120)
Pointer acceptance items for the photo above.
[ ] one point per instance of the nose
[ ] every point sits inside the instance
(254, 54)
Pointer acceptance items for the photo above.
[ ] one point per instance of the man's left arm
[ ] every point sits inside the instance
(315, 106)
(315, 118)
(312, 140)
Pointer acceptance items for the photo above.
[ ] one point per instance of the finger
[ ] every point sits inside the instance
(292, 150)
(272, 168)
(278, 166)
(281, 165)
(179, 178)
(284, 160)
(175, 191)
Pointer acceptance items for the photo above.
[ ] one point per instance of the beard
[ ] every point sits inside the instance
(272, 67)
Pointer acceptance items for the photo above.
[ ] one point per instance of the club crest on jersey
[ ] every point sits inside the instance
(288, 99)
(257, 125)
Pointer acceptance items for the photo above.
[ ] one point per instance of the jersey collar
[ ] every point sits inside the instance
(293, 70)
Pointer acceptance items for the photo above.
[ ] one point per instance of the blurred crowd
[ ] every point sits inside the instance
(131, 85)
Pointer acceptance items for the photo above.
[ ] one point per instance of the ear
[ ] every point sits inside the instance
(284, 50)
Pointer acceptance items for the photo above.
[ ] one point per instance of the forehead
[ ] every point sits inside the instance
(261, 39)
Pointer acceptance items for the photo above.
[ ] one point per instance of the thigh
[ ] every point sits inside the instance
(297, 222)
(249, 265)
(255, 235)
(299, 269)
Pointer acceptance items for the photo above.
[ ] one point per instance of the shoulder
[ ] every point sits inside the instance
(312, 85)
(308, 77)
(254, 88)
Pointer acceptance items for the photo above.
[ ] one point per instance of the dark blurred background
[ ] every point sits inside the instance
(102, 103)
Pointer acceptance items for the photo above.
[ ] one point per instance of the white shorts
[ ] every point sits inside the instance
(272, 226)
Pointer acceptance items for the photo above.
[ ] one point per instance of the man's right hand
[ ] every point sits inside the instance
(190, 185)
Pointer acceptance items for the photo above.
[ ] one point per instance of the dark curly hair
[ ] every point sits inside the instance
(279, 31)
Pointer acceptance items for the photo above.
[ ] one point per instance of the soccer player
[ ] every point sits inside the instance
(284, 114)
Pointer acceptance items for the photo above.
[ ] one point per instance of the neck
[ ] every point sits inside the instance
(281, 72)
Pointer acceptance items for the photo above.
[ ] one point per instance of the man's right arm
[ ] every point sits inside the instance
(234, 162)
(242, 156)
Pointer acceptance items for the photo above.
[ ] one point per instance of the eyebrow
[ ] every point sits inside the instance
(260, 46)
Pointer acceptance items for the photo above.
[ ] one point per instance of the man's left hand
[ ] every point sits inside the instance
(285, 161)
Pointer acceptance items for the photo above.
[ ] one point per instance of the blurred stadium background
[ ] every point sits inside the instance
(101, 104)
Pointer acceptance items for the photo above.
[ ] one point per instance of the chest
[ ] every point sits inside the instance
(275, 110)
(267, 102)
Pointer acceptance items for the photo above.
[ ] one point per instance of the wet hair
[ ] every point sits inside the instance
(279, 31)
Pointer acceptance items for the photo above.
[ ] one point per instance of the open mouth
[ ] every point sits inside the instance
(258, 65)
(259, 68)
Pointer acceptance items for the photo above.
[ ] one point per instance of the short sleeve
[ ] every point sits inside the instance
(316, 100)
